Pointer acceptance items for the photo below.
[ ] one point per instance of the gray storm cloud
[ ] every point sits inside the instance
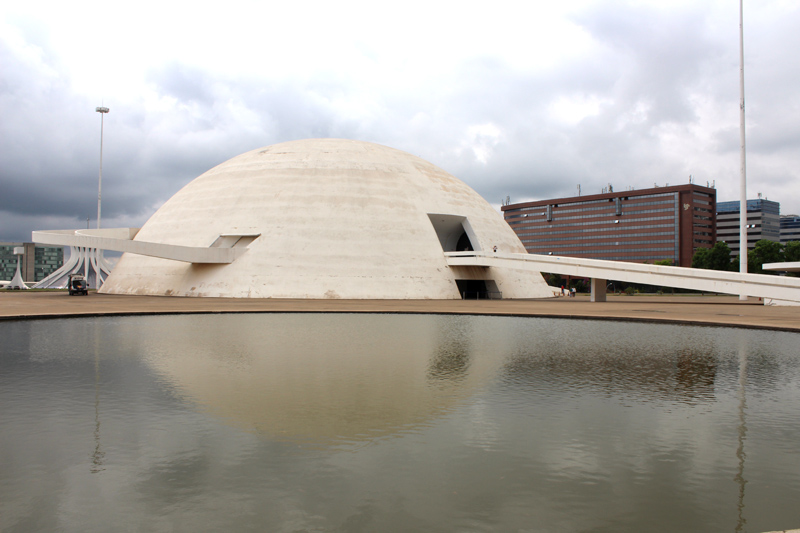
(653, 99)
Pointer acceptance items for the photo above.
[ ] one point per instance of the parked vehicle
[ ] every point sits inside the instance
(78, 285)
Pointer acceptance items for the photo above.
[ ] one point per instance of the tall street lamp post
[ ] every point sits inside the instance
(102, 111)
(743, 249)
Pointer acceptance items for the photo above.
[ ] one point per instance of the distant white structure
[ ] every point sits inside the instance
(17, 281)
(323, 218)
(82, 260)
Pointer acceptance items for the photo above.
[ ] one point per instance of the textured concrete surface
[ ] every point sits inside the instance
(704, 310)
(334, 218)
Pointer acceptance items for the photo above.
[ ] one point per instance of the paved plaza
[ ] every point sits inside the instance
(686, 309)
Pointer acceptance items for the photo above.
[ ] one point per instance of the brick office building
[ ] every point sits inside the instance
(648, 225)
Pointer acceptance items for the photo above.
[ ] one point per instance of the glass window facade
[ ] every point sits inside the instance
(37, 263)
(763, 222)
(667, 223)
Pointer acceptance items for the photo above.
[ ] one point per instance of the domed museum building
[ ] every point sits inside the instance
(326, 218)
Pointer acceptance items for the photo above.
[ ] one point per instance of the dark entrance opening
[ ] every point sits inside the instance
(472, 289)
(464, 244)
(478, 289)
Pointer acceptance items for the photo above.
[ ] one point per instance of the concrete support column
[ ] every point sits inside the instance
(598, 290)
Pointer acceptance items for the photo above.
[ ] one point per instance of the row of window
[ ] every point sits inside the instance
(599, 215)
(604, 236)
(600, 245)
(13, 267)
(557, 232)
(622, 222)
(700, 198)
(541, 210)
(633, 257)
(754, 231)
(612, 250)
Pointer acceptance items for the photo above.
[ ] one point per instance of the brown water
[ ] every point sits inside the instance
(316, 422)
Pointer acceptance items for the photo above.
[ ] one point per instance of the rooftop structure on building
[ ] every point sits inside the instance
(647, 225)
(763, 222)
(790, 228)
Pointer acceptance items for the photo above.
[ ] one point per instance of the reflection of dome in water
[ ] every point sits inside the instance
(319, 378)
(333, 219)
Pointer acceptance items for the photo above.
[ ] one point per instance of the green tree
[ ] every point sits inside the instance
(764, 252)
(702, 258)
(716, 258)
(554, 280)
(791, 251)
(791, 254)
(719, 258)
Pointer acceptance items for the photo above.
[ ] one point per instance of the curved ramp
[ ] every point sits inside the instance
(757, 285)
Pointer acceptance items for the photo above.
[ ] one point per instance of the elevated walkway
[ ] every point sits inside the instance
(599, 271)
(225, 249)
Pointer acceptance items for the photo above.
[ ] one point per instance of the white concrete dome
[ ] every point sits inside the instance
(334, 219)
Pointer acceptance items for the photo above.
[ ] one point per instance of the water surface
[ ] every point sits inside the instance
(316, 422)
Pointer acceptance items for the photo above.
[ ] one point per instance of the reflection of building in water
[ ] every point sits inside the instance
(452, 358)
(688, 375)
(451, 362)
(312, 378)
(696, 372)
(98, 455)
(740, 453)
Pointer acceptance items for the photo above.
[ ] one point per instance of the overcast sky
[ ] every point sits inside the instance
(520, 99)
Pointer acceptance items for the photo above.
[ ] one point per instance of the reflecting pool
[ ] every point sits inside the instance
(351, 422)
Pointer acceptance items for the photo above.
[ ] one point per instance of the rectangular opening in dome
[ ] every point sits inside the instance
(229, 240)
(454, 232)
